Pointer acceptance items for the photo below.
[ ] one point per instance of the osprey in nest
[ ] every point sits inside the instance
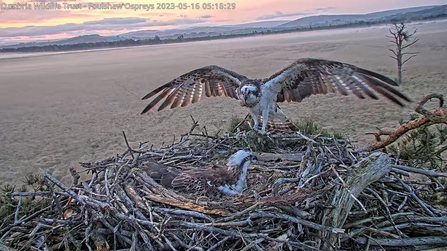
(229, 180)
(297, 81)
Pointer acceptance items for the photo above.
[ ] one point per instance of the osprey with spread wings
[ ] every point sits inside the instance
(299, 80)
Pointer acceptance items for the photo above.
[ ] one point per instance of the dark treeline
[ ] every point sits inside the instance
(181, 38)
(113, 44)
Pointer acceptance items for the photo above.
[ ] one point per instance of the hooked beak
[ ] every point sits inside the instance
(245, 96)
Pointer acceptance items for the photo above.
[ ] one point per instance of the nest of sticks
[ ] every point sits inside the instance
(306, 193)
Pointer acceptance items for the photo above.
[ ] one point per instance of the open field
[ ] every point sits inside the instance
(57, 110)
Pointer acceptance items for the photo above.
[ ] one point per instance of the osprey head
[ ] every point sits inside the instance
(238, 159)
(238, 165)
(250, 92)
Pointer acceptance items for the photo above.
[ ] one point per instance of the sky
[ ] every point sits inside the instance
(70, 18)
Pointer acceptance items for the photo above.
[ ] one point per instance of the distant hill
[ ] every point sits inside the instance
(370, 17)
(202, 30)
(90, 39)
(262, 24)
(95, 38)
(199, 33)
(438, 11)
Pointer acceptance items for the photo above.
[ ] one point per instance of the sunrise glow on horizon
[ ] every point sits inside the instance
(79, 17)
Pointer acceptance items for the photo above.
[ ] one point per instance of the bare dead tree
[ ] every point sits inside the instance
(402, 39)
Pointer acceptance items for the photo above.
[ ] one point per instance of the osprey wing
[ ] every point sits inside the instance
(310, 76)
(203, 179)
(188, 88)
(161, 173)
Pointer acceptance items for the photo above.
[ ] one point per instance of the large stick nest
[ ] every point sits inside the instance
(306, 193)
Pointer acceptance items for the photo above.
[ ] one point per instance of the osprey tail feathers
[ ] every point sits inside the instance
(278, 125)
(278, 121)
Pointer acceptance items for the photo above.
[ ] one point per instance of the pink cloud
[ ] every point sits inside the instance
(33, 23)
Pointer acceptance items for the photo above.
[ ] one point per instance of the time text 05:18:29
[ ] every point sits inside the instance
(195, 6)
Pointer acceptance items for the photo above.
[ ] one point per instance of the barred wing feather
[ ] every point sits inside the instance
(188, 88)
(310, 76)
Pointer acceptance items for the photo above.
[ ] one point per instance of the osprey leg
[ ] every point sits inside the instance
(265, 118)
(255, 119)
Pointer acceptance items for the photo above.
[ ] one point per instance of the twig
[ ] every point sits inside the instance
(128, 146)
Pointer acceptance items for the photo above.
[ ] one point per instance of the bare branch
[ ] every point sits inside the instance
(395, 53)
(408, 59)
(410, 44)
(438, 115)
(410, 53)
(393, 57)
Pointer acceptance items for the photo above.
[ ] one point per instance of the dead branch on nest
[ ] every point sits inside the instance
(306, 193)
(436, 116)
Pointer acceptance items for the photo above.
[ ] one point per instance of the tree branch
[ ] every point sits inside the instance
(408, 59)
(410, 44)
(438, 115)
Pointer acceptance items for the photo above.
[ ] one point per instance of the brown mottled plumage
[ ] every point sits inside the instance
(190, 179)
(299, 80)
(201, 180)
